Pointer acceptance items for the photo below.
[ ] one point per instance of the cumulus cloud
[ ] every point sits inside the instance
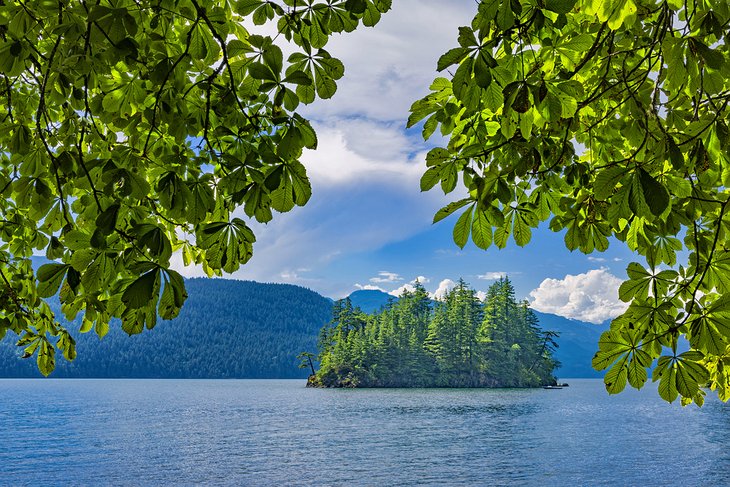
(410, 286)
(481, 295)
(340, 157)
(405, 287)
(492, 276)
(385, 277)
(592, 296)
(444, 287)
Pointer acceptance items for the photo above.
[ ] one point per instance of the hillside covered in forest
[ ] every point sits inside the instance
(244, 329)
(459, 341)
(226, 329)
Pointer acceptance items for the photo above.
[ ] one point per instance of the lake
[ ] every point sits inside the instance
(277, 432)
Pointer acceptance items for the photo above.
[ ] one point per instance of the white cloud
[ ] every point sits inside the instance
(365, 172)
(296, 277)
(492, 276)
(388, 67)
(449, 252)
(444, 287)
(481, 295)
(385, 276)
(410, 286)
(369, 287)
(341, 156)
(405, 287)
(596, 259)
(592, 296)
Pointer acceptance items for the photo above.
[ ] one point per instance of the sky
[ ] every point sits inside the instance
(368, 225)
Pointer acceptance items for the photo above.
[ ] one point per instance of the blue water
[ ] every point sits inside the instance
(256, 432)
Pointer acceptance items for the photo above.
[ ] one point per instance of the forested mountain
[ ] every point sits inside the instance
(226, 329)
(233, 328)
(457, 342)
(370, 300)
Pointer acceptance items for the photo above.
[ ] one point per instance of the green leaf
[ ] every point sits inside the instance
(246, 7)
(560, 6)
(481, 230)
(668, 382)
(325, 86)
(674, 153)
(615, 12)
(298, 77)
(615, 378)
(603, 359)
(449, 209)
(687, 384)
(462, 228)
(712, 57)
(505, 16)
(454, 56)
(521, 231)
(77, 240)
(68, 345)
(521, 101)
(99, 271)
(140, 292)
(173, 296)
(466, 38)
(101, 328)
(482, 74)
(655, 195)
(606, 181)
(430, 178)
(638, 284)
(261, 71)
(107, 220)
(637, 374)
(50, 277)
(462, 79)
(46, 358)
(501, 234)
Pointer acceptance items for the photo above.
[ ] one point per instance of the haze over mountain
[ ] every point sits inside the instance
(245, 329)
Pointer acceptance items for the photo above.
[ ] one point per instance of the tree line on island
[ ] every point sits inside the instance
(459, 341)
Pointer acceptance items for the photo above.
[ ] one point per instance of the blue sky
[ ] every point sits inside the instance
(369, 226)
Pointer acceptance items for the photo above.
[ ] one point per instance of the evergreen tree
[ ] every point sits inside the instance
(462, 342)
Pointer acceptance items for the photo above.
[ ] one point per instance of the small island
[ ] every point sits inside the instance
(458, 341)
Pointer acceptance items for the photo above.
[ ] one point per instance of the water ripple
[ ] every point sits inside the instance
(147, 432)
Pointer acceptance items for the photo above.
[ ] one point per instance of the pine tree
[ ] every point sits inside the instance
(461, 343)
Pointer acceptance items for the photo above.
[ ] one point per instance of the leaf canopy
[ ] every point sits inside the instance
(134, 129)
(609, 120)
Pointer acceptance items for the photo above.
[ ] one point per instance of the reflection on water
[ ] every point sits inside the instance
(124, 432)
(459, 410)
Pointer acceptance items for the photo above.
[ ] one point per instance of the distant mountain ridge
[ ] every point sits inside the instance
(370, 300)
(246, 329)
